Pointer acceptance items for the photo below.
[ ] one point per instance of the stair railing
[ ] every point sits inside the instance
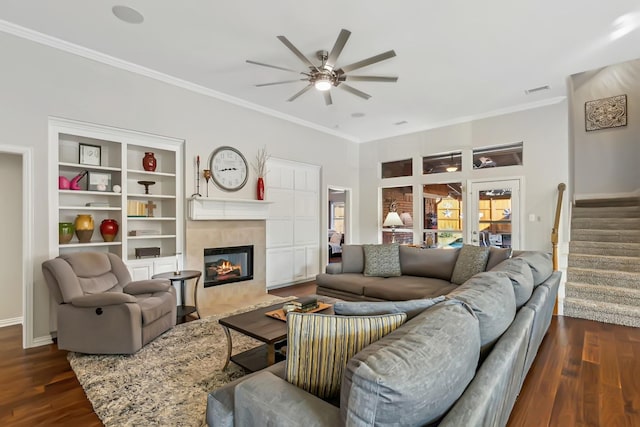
(554, 234)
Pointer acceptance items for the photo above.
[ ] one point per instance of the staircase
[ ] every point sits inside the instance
(603, 275)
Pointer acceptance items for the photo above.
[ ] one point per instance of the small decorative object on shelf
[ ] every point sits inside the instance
(146, 185)
(90, 154)
(206, 173)
(63, 183)
(177, 271)
(150, 207)
(149, 162)
(116, 188)
(260, 168)
(84, 227)
(99, 181)
(109, 229)
(73, 185)
(197, 193)
(65, 232)
(147, 252)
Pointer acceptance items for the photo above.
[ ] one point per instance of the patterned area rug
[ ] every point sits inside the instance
(167, 381)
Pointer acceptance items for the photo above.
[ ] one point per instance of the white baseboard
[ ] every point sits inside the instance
(11, 322)
(44, 340)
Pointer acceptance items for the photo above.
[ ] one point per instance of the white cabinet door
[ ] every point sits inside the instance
(141, 271)
(164, 265)
(279, 266)
(312, 261)
(299, 263)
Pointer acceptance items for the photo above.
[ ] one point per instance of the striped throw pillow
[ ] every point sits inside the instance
(319, 347)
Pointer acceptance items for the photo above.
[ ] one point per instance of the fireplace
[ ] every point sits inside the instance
(227, 265)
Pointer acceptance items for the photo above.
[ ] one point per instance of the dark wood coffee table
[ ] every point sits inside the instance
(258, 325)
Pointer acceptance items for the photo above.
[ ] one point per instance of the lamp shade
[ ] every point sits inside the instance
(392, 220)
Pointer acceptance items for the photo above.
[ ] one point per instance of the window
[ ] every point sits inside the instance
(443, 219)
(441, 163)
(400, 200)
(492, 157)
(397, 168)
(336, 216)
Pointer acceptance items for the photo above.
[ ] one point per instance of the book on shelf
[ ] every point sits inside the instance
(97, 204)
(136, 208)
(143, 233)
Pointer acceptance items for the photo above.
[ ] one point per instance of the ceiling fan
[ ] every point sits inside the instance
(325, 76)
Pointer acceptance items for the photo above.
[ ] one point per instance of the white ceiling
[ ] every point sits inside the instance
(456, 60)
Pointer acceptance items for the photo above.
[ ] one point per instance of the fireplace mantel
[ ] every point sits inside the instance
(210, 208)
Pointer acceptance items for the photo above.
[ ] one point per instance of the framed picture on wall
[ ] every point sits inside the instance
(90, 154)
(605, 113)
(99, 181)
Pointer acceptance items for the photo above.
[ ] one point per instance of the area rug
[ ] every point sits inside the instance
(167, 381)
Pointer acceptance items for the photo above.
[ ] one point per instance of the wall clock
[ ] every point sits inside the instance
(229, 168)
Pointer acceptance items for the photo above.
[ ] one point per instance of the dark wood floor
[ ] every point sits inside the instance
(586, 374)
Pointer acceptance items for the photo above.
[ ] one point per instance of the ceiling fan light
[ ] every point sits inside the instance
(322, 84)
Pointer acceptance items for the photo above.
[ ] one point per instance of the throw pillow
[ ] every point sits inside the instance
(471, 261)
(319, 347)
(497, 255)
(370, 308)
(382, 260)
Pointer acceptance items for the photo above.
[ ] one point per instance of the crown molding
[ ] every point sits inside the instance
(93, 55)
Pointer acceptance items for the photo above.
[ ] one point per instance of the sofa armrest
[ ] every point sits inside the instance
(147, 286)
(266, 399)
(105, 298)
(334, 268)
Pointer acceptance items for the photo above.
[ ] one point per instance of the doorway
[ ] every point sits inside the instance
(494, 208)
(337, 222)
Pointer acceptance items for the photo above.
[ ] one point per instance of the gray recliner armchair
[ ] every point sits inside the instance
(100, 310)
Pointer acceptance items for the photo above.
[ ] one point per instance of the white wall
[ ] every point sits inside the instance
(38, 81)
(544, 132)
(606, 161)
(11, 249)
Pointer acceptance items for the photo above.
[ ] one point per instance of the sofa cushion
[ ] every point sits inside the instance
(319, 346)
(412, 376)
(496, 256)
(369, 308)
(540, 263)
(471, 260)
(407, 287)
(382, 260)
(348, 282)
(491, 296)
(436, 263)
(521, 277)
(352, 259)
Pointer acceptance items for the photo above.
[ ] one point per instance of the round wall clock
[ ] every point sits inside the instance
(229, 168)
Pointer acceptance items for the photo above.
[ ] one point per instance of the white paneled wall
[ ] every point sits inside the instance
(293, 246)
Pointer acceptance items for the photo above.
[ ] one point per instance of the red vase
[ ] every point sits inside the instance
(109, 229)
(149, 162)
(260, 189)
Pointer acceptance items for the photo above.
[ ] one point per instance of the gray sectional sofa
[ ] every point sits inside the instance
(460, 362)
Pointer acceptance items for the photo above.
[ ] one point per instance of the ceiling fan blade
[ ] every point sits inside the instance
(296, 52)
(354, 91)
(337, 48)
(306, 88)
(327, 97)
(370, 79)
(271, 66)
(366, 62)
(280, 83)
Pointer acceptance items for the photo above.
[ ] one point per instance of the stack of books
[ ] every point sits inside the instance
(306, 303)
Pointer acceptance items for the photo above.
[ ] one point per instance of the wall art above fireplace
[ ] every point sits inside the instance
(227, 265)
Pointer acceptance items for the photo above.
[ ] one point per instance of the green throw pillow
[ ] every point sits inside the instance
(471, 261)
(382, 260)
(319, 347)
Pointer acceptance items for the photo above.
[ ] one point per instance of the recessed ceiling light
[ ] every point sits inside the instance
(127, 14)
(357, 115)
(537, 89)
(403, 122)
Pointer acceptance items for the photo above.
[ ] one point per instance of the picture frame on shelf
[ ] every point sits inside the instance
(90, 155)
(99, 181)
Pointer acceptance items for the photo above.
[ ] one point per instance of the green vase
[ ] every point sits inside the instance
(65, 232)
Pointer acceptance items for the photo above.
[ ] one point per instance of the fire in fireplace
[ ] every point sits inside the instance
(227, 265)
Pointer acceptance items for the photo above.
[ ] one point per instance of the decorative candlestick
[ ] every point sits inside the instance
(177, 263)
(197, 193)
(206, 173)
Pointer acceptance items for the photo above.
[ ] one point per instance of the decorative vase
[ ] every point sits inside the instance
(65, 232)
(84, 227)
(260, 188)
(149, 162)
(109, 229)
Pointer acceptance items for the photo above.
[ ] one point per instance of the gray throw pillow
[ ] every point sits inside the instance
(370, 308)
(497, 255)
(471, 261)
(382, 260)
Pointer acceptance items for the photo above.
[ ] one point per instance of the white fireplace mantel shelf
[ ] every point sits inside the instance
(209, 208)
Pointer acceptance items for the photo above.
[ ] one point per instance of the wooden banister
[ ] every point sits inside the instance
(554, 234)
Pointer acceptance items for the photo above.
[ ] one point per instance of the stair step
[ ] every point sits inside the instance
(604, 248)
(606, 223)
(622, 279)
(609, 294)
(624, 236)
(603, 262)
(611, 212)
(612, 202)
(606, 312)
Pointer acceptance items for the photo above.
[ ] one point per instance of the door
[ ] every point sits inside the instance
(337, 222)
(494, 208)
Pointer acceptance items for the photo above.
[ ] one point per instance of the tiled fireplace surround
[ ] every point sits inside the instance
(220, 233)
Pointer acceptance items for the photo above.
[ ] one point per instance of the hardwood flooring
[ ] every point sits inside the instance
(586, 374)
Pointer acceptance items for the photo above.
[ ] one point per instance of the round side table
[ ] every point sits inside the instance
(182, 276)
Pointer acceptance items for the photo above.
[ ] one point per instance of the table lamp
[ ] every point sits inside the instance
(392, 220)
